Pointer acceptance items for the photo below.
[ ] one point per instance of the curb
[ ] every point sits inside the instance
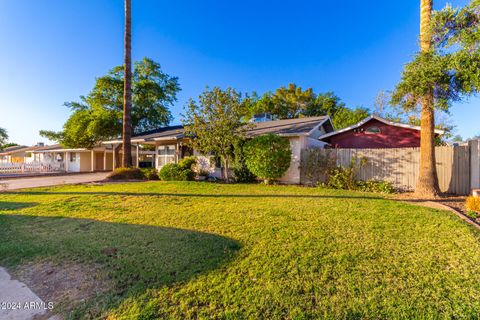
(433, 204)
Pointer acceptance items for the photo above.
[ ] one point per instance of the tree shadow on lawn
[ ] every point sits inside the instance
(199, 195)
(134, 258)
(6, 205)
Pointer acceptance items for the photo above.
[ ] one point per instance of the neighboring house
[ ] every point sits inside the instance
(19, 154)
(76, 160)
(171, 145)
(100, 158)
(375, 132)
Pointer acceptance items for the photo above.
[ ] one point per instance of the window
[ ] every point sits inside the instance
(73, 157)
(166, 154)
(373, 130)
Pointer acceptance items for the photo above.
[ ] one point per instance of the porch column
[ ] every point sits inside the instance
(66, 160)
(92, 160)
(138, 160)
(177, 152)
(155, 159)
(113, 157)
(105, 160)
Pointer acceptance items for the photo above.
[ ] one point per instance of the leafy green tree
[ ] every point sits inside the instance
(293, 102)
(268, 156)
(86, 127)
(325, 104)
(444, 71)
(3, 137)
(286, 103)
(215, 123)
(101, 111)
(346, 117)
(397, 113)
(7, 145)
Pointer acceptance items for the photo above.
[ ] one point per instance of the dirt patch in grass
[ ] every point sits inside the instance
(66, 284)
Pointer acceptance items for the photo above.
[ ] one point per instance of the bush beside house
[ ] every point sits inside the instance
(134, 174)
(150, 174)
(268, 156)
(126, 174)
(240, 171)
(181, 171)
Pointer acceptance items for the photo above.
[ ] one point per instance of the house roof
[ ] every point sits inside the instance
(287, 127)
(48, 148)
(375, 117)
(17, 149)
(164, 133)
(174, 132)
(11, 149)
(60, 148)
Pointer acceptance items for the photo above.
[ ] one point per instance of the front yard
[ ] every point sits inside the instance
(201, 250)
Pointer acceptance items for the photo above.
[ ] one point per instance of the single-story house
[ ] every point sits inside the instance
(375, 132)
(17, 154)
(100, 158)
(171, 145)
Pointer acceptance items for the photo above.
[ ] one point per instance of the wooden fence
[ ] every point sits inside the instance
(399, 166)
(22, 167)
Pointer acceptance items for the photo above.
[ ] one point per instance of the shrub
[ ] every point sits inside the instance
(240, 170)
(126, 174)
(377, 186)
(344, 178)
(150, 173)
(173, 172)
(473, 204)
(268, 156)
(187, 163)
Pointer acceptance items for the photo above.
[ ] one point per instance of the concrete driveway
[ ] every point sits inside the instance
(18, 301)
(45, 181)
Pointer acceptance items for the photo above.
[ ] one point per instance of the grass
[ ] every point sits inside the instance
(200, 250)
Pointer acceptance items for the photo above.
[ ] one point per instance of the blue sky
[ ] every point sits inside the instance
(52, 50)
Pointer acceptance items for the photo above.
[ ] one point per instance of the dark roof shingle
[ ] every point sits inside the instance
(291, 127)
(298, 126)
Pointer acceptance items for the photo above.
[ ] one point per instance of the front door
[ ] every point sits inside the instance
(99, 161)
(165, 155)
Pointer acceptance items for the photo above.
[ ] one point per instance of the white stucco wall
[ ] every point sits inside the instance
(292, 176)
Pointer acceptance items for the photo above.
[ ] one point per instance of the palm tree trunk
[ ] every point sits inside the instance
(127, 89)
(427, 184)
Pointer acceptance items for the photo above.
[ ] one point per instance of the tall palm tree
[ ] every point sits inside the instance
(127, 88)
(427, 184)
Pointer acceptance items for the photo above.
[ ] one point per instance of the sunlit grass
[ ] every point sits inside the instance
(200, 250)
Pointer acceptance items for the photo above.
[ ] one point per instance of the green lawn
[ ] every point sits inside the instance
(200, 250)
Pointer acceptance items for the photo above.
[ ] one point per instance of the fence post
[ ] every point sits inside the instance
(474, 164)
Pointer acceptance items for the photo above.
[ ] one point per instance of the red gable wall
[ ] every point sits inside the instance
(390, 137)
